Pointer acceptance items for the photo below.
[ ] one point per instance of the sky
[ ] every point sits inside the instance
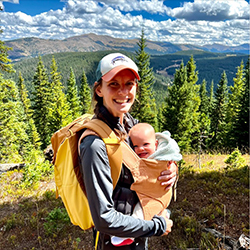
(197, 22)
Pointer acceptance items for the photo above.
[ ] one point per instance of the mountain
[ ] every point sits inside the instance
(219, 48)
(32, 47)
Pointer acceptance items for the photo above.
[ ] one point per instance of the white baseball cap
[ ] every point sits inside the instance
(112, 64)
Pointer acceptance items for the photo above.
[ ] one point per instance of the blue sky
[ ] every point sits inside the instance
(196, 22)
(33, 7)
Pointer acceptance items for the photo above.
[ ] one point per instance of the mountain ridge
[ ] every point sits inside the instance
(33, 46)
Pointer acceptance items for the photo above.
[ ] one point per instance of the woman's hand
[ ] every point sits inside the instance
(169, 222)
(169, 176)
(169, 225)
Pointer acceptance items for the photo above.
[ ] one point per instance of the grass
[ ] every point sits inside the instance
(215, 195)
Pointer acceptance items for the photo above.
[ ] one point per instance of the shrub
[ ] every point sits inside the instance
(36, 169)
(235, 160)
(56, 220)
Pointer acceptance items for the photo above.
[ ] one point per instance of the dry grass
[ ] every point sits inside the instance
(209, 162)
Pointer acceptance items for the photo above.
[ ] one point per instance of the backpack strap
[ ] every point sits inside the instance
(68, 131)
(113, 145)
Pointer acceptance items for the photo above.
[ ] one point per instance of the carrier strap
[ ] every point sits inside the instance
(100, 128)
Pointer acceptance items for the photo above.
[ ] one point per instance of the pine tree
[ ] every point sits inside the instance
(192, 74)
(204, 118)
(174, 103)
(204, 105)
(144, 108)
(211, 99)
(42, 104)
(174, 112)
(85, 95)
(234, 106)
(160, 118)
(14, 141)
(60, 112)
(210, 111)
(32, 131)
(192, 78)
(218, 117)
(241, 125)
(181, 107)
(72, 96)
(5, 65)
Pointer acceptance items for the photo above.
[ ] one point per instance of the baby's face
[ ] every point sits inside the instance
(143, 145)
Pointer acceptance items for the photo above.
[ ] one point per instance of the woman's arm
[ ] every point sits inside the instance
(99, 188)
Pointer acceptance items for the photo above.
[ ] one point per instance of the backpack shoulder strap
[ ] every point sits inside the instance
(112, 143)
(68, 131)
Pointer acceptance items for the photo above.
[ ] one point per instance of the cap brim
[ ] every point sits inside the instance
(113, 72)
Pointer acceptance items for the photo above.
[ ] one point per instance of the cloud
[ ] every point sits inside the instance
(150, 6)
(10, 1)
(213, 10)
(82, 7)
(118, 19)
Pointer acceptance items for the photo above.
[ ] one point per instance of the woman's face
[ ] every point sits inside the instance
(119, 93)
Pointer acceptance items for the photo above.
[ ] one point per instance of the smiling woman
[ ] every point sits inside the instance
(111, 207)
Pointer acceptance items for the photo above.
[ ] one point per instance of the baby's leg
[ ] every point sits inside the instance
(138, 212)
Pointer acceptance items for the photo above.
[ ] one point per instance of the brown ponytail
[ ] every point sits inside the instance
(97, 100)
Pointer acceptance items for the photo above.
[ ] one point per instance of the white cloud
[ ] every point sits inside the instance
(200, 22)
(212, 10)
(151, 6)
(82, 7)
(10, 1)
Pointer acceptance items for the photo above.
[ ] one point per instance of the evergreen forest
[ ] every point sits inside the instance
(213, 119)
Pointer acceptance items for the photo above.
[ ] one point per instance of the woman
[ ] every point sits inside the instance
(114, 92)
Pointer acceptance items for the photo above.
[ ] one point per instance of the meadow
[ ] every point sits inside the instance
(212, 193)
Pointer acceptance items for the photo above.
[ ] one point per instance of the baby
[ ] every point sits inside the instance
(150, 145)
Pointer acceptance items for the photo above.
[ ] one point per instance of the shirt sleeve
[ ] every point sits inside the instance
(99, 188)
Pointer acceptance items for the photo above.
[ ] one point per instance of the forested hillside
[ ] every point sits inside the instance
(209, 66)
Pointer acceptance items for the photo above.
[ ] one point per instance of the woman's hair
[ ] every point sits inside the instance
(97, 101)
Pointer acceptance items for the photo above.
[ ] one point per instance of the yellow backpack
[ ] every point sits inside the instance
(69, 182)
